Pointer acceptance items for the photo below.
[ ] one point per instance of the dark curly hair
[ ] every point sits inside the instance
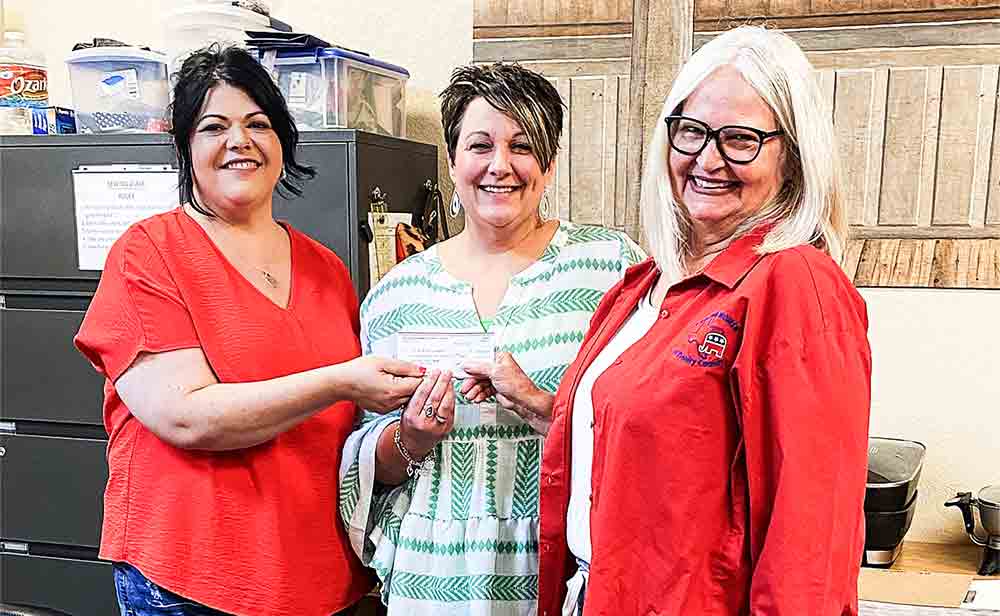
(202, 71)
(525, 96)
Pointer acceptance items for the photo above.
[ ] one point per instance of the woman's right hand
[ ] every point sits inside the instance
(419, 431)
(381, 384)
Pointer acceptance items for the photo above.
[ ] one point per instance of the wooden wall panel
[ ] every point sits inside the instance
(993, 192)
(828, 86)
(909, 159)
(826, 7)
(710, 9)
(916, 119)
(940, 263)
(859, 118)
(988, 112)
(786, 8)
(587, 123)
(851, 122)
(562, 189)
(509, 18)
(490, 12)
(590, 180)
(957, 145)
(754, 8)
(524, 13)
(621, 207)
(710, 14)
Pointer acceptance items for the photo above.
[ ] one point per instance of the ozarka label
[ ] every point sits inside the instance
(23, 85)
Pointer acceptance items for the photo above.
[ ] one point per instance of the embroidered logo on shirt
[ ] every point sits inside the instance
(708, 341)
(714, 344)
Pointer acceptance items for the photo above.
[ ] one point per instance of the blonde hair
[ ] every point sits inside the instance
(808, 208)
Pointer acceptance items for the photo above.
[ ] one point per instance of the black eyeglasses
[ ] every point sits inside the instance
(737, 144)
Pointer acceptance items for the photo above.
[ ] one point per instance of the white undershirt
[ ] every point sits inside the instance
(578, 512)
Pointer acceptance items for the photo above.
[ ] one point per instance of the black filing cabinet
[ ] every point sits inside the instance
(52, 439)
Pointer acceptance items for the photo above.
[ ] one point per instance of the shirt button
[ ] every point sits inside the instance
(546, 548)
(664, 313)
(549, 481)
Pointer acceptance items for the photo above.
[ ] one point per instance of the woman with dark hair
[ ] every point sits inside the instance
(229, 341)
(444, 505)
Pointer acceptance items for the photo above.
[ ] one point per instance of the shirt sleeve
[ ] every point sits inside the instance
(137, 308)
(804, 390)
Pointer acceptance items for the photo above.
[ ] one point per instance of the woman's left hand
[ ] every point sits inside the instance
(513, 389)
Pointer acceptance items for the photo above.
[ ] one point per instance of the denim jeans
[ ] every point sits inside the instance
(139, 596)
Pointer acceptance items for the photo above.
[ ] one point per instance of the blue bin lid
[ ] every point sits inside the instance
(338, 52)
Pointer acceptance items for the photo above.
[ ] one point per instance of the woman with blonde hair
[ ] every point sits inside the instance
(708, 447)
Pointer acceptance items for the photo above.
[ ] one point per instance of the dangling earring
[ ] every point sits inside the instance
(456, 205)
(543, 210)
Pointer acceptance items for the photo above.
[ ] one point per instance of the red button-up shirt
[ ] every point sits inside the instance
(730, 445)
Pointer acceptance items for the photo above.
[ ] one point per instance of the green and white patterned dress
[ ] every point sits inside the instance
(463, 539)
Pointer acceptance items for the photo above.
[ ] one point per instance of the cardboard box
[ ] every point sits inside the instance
(924, 588)
(925, 574)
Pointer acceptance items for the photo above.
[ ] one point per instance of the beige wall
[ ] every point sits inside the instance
(936, 379)
(427, 37)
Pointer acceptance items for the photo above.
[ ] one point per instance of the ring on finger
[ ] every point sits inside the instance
(429, 411)
(440, 419)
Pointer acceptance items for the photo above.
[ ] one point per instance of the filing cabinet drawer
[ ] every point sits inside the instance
(76, 587)
(44, 377)
(38, 235)
(52, 489)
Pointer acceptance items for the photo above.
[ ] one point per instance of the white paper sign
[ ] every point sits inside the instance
(445, 351)
(109, 198)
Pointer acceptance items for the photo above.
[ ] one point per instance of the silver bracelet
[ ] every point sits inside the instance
(413, 467)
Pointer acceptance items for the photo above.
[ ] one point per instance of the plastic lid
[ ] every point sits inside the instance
(990, 496)
(104, 54)
(337, 52)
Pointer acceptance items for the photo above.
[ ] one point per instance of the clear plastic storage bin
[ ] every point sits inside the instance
(336, 88)
(193, 26)
(119, 89)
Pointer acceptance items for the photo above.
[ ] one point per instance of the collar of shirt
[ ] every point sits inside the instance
(738, 258)
(727, 269)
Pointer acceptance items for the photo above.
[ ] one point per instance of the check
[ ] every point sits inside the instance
(445, 351)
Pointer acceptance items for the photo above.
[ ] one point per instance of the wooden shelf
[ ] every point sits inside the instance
(939, 558)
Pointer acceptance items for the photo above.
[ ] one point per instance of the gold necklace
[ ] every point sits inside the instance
(270, 279)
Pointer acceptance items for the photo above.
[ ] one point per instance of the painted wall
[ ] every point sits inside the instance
(427, 37)
(935, 377)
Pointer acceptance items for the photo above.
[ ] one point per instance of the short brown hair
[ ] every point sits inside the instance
(525, 96)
